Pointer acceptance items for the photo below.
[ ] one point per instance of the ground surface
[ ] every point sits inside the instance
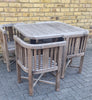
(73, 87)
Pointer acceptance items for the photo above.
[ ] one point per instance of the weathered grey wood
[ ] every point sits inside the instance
(44, 81)
(81, 64)
(65, 52)
(30, 75)
(49, 30)
(58, 72)
(37, 80)
(7, 42)
(45, 60)
(77, 50)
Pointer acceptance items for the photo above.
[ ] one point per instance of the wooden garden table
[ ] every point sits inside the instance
(54, 30)
(46, 30)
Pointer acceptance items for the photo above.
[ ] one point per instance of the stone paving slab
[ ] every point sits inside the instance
(73, 87)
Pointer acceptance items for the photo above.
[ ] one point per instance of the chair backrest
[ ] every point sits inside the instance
(9, 31)
(76, 45)
(40, 57)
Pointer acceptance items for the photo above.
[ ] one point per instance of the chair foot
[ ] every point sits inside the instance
(30, 94)
(19, 81)
(8, 67)
(62, 77)
(79, 72)
(57, 90)
(81, 64)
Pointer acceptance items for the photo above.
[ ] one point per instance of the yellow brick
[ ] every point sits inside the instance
(74, 9)
(23, 18)
(26, 14)
(44, 9)
(77, 13)
(65, 1)
(82, 9)
(55, 9)
(53, 1)
(5, 22)
(24, 9)
(34, 10)
(89, 1)
(70, 21)
(68, 13)
(46, 1)
(45, 18)
(89, 9)
(59, 14)
(34, 0)
(86, 13)
(1, 18)
(12, 14)
(64, 9)
(1, 9)
(80, 17)
(23, 0)
(88, 17)
(74, 5)
(27, 5)
(14, 5)
(49, 5)
(18, 14)
(83, 1)
(67, 5)
(49, 14)
(75, 1)
(9, 9)
(34, 18)
(38, 14)
(58, 5)
(38, 5)
(3, 4)
(10, 19)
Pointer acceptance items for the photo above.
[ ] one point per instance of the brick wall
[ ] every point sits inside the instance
(74, 12)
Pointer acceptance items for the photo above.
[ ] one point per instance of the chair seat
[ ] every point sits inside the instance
(11, 46)
(39, 69)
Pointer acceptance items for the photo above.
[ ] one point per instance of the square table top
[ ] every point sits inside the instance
(52, 29)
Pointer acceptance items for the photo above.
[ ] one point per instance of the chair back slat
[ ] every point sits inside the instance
(51, 55)
(39, 59)
(35, 56)
(85, 41)
(45, 56)
(72, 47)
(76, 45)
(55, 56)
(26, 57)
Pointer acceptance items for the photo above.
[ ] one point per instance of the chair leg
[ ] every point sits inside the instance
(81, 64)
(18, 73)
(63, 69)
(70, 62)
(8, 66)
(8, 63)
(62, 72)
(57, 80)
(6, 55)
(30, 78)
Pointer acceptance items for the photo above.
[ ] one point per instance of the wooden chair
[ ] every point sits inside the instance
(7, 42)
(38, 59)
(75, 47)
